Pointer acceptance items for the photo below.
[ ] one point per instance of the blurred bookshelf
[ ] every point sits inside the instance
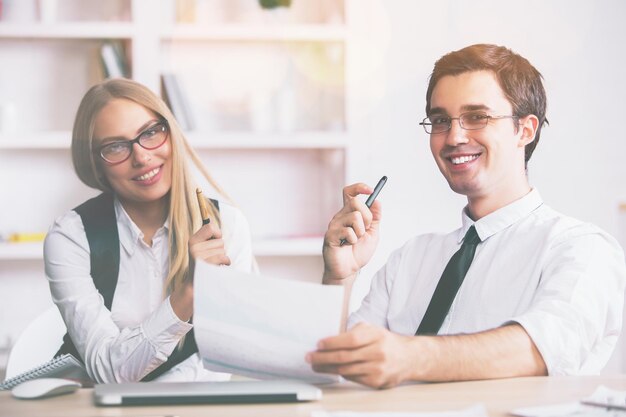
(267, 92)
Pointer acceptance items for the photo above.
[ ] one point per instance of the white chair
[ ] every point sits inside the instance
(38, 343)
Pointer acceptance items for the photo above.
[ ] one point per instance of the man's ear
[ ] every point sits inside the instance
(528, 125)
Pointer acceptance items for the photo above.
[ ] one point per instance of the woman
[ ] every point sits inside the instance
(127, 314)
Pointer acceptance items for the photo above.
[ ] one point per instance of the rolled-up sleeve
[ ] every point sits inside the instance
(576, 315)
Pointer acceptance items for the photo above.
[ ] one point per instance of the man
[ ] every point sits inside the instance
(518, 290)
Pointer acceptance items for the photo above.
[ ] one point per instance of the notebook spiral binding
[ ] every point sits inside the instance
(62, 366)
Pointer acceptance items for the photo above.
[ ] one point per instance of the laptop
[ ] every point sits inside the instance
(223, 392)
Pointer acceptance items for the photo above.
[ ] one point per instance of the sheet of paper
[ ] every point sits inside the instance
(555, 410)
(607, 397)
(477, 410)
(262, 327)
(603, 402)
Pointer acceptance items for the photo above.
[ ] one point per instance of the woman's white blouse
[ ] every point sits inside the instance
(141, 330)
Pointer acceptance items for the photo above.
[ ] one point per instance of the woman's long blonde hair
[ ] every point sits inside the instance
(183, 214)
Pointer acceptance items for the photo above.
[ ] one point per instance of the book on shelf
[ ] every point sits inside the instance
(185, 11)
(65, 366)
(114, 61)
(26, 237)
(177, 100)
(272, 4)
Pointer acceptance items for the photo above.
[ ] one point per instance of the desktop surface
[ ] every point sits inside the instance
(498, 396)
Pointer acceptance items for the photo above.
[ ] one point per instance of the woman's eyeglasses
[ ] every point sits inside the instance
(151, 138)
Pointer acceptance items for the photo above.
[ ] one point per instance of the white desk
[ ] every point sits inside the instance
(498, 396)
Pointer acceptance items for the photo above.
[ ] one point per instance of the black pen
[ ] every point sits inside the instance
(204, 210)
(371, 198)
(379, 186)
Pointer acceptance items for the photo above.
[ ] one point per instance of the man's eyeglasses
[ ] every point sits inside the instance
(151, 138)
(469, 121)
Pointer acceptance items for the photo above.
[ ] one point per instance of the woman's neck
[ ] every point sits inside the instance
(148, 216)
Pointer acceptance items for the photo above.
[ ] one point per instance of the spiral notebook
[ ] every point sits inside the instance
(64, 366)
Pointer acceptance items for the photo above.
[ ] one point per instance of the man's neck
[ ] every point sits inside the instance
(481, 205)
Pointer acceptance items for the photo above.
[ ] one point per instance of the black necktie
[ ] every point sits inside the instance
(449, 284)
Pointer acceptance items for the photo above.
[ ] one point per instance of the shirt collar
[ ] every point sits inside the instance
(501, 218)
(129, 233)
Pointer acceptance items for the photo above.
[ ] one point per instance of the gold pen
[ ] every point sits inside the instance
(204, 210)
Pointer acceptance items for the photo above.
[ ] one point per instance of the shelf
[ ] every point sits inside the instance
(86, 30)
(21, 251)
(44, 140)
(206, 140)
(260, 33)
(245, 140)
(224, 32)
(310, 246)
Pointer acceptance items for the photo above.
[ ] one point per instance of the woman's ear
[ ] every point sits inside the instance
(528, 125)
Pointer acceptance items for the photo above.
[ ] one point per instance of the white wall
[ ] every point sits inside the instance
(578, 46)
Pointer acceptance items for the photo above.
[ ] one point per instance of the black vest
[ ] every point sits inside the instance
(98, 217)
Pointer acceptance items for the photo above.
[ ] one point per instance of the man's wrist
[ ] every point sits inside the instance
(424, 357)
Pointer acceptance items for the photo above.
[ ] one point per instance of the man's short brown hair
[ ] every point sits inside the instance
(521, 82)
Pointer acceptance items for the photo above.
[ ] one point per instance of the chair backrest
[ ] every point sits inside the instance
(38, 343)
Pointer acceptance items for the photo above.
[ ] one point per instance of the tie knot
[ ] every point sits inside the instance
(471, 237)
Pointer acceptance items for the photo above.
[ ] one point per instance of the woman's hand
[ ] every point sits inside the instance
(207, 245)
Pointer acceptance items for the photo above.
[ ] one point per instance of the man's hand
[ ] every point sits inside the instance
(366, 354)
(357, 225)
(378, 358)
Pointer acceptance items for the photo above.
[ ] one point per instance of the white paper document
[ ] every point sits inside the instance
(262, 327)
(607, 398)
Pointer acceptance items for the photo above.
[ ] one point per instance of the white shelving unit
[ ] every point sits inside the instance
(67, 31)
(300, 169)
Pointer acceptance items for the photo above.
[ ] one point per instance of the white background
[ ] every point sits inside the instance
(578, 46)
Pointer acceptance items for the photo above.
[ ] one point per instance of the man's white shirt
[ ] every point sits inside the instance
(561, 279)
